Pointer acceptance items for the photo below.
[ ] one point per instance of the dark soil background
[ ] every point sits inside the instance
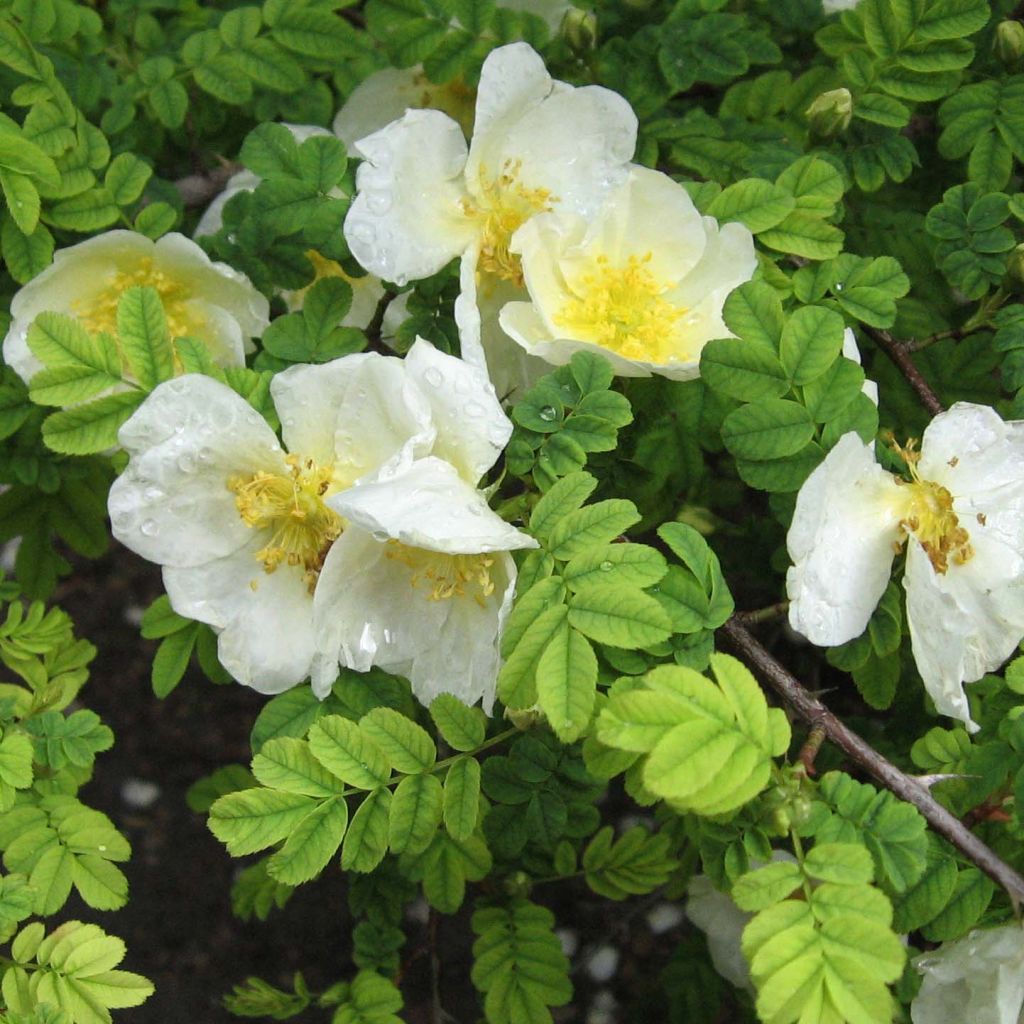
(178, 923)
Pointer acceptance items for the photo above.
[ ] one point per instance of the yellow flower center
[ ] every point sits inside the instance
(505, 205)
(292, 507)
(622, 308)
(99, 312)
(322, 268)
(445, 576)
(931, 519)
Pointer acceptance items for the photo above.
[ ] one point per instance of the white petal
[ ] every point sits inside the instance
(220, 334)
(472, 429)
(406, 222)
(722, 922)
(396, 312)
(265, 619)
(212, 219)
(967, 621)
(851, 352)
(216, 283)
(301, 132)
(360, 413)
(378, 100)
(576, 143)
(841, 541)
(371, 611)
(430, 506)
(728, 261)
(979, 978)
(172, 504)
(367, 291)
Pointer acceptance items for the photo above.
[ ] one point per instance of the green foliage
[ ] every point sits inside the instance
(518, 963)
(828, 955)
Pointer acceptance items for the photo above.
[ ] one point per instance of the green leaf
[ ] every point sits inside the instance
(288, 714)
(516, 686)
(126, 178)
(416, 812)
(171, 660)
(462, 797)
(970, 898)
(928, 896)
(311, 844)
(57, 340)
(22, 199)
(766, 886)
(463, 728)
(753, 312)
(25, 255)
(367, 838)
(754, 202)
(618, 615)
(804, 233)
(591, 525)
(566, 680)
(285, 763)
(767, 430)
(636, 565)
(565, 496)
(91, 428)
(169, 101)
(349, 752)
(841, 863)
(145, 341)
(253, 819)
(742, 370)
(405, 744)
(86, 212)
(811, 343)
(638, 862)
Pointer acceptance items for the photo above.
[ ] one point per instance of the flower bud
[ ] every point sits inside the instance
(1008, 44)
(579, 28)
(830, 113)
(1015, 265)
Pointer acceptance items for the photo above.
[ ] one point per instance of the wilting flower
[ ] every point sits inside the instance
(961, 516)
(644, 283)
(428, 580)
(202, 299)
(242, 528)
(979, 978)
(424, 198)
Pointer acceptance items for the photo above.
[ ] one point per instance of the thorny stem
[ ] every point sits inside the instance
(898, 352)
(864, 755)
(809, 751)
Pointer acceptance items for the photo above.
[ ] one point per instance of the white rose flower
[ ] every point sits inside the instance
(428, 580)
(977, 979)
(643, 283)
(851, 352)
(962, 518)
(202, 299)
(424, 198)
(722, 922)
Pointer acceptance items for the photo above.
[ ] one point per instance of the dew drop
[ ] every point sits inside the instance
(205, 454)
(474, 510)
(187, 463)
(153, 494)
(606, 566)
(548, 413)
(363, 233)
(474, 410)
(838, 286)
(434, 377)
(149, 528)
(379, 202)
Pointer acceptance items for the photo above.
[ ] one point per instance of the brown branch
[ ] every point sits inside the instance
(864, 755)
(900, 355)
(768, 614)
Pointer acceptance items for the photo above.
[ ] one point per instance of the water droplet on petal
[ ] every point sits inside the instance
(187, 463)
(474, 410)
(153, 494)
(379, 202)
(363, 233)
(149, 528)
(434, 377)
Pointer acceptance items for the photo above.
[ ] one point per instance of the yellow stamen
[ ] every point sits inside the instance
(292, 507)
(99, 312)
(930, 516)
(622, 308)
(445, 576)
(505, 205)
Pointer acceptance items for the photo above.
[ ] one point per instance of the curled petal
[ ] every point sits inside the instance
(407, 220)
(431, 507)
(842, 543)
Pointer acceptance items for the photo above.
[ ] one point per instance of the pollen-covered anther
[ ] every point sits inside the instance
(445, 576)
(505, 204)
(622, 308)
(291, 506)
(99, 313)
(933, 522)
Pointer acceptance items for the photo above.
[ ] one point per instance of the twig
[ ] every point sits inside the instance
(768, 614)
(861, 753)
(900, 355)
(809, 751)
